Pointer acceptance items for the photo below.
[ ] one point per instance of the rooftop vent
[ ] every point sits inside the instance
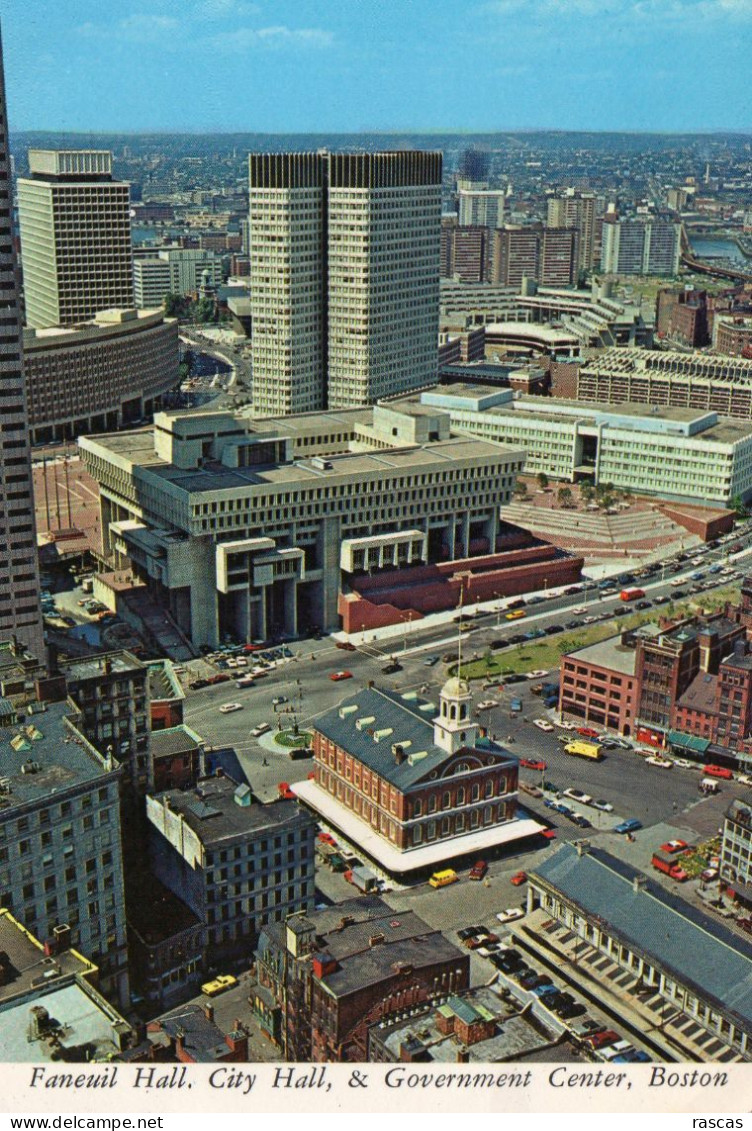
(365, 721)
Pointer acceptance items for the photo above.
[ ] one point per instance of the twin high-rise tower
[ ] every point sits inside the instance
(344, 253)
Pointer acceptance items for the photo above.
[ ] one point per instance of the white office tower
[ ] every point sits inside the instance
(480, 207)
(75, 237)
(344, 253)
(20, 612)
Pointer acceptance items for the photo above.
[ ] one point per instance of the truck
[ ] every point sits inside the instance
(662, 862)
(362, 878)
(589, 750)
(631, 594)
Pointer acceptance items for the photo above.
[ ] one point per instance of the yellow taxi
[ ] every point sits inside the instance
(221, 983)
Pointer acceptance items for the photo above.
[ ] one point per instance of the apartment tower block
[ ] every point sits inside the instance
(344, 252)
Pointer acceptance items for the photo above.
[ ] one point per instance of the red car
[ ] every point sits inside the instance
(717, 772)
(673, 846)
(345, 645)
(549, 834)
(327, 838)
(519, 878)
(533, 764)
(284, 791)
(587, 732)
(478, 870)
(221, 678)
(337, 676)
(601, 1040)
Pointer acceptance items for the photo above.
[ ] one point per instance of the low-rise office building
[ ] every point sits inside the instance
(682, 380)
(413, 787)
(61, 869)
(325, 977)
(677, 453)
(238, 536)
(697, 966)
(235, 863)
(736, 851)
(50, 1009)
(685, 685)
(98, 375)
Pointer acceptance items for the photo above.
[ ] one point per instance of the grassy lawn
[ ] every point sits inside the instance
(546, 652)
(289, 739)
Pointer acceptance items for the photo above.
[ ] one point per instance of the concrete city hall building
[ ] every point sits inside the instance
(373, 515)
(344, 253)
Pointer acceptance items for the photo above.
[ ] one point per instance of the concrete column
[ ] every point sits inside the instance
(466, 534)
(291, 607)
(328, 556)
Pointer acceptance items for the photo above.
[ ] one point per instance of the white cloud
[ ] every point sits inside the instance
(247, 38)
(226, 9)
(136, 27)
(653, 10)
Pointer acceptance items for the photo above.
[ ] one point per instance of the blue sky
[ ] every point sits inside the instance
(299, 65)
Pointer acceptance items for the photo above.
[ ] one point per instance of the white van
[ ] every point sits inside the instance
(262, 728)
(708, 785)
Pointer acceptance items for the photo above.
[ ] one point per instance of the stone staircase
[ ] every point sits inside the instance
(644, 535)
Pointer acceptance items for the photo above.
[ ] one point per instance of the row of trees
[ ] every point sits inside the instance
(605, 495)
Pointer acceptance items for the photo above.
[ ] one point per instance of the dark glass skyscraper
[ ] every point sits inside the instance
(20, 611)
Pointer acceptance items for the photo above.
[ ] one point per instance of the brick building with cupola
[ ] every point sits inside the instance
(411, 787)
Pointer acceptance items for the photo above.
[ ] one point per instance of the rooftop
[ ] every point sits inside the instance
(100, 666)
(174, 740)
(26, 967)
(610, 653)
(696, 949)
(515, 1036)
(367, 938)
(369, 723)
(45, 753)
(203, 1040)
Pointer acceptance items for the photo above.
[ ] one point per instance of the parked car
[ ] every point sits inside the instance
(578, 795)
(674, 846)
(533, 764)
(543, 724)
(631, 825)
(391, 668)
(510, 915)
(604, 806)
(218, 985)
(478, 870)
(345, 645)
(519, 878)
(227, 708)
(587, 732)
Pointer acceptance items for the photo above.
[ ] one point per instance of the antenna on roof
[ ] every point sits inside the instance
(459, 626)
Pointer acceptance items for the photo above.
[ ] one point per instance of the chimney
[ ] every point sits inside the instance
(107, 665)
(463, 1056)
(209, 1011)
(180, 1041)
(583, 847)
(399, 754)
(638, 883)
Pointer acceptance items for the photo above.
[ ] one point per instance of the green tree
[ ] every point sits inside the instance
(564, 497)
(587, 492)
(173, 305)
(520, 488)
(739, 507)
(542, 480)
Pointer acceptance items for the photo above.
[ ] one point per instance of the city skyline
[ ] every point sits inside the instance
(396, 68)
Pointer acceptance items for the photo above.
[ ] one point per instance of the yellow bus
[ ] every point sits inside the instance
(441, 879)
(584, 750)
